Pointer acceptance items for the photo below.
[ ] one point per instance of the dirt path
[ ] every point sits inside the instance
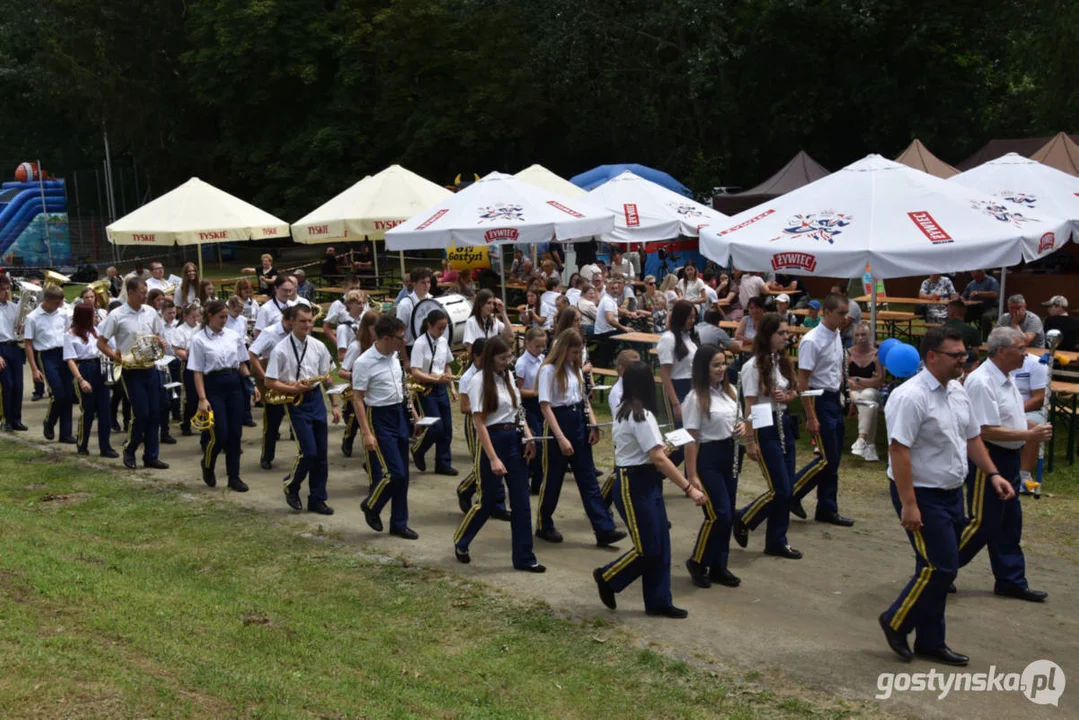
(808, 624)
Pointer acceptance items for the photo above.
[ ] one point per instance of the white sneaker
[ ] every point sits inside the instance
(858, 447)
(870, 454)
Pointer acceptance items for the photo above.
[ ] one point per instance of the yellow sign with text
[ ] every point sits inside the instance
(468, 258)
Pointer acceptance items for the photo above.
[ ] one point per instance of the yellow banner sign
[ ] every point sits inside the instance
(468, 258)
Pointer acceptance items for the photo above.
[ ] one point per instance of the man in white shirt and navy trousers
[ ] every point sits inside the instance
(998, 409)
(820, 368)
(12, 359)
(932, 432)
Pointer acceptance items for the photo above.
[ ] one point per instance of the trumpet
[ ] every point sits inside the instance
(276, 397)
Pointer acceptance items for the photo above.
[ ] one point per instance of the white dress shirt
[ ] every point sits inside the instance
(9, 313)
(209, 351)
(337, 313)
(506, 413)
(270, 312)
(404, 314)
(77, 349)
(124, 324)
(251, 309)
(996, 401)
(153, 283)
(548, 388)
(680, 369)
(614, 397)
(346, 330)
(294, 359)
(821, 352)
(1034, 375)
(178, 297)
(465, 384)
(750, 378)
(633, 440)
(181, 336)
(267, 341)
(607, 305)
(430, 355)
(473, 331)
(237, 325)
(935, 422)
(527, 369)
(46, 329)
(719, 423)
(379, 377)
(573, 295)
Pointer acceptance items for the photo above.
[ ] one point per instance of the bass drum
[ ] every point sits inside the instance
(457, 307)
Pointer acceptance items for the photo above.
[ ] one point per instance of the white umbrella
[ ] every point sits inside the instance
(195, 213)
(876, 212)
(647, 212)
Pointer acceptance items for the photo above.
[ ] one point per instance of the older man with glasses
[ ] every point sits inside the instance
(1029, 323)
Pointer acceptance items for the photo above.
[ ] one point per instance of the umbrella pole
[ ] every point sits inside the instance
(374, 258)
(873, 313)
(199, 249)
(1000, 298)
(402, 255)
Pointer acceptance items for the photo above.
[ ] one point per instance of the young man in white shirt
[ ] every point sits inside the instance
(421, 288)
(608, 322)
(12, 359)
(1033, 382)
(44, 339)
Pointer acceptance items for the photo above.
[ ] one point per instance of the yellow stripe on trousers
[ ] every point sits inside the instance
(475, 504)
(756, 505)
(977, 509)
(299, 450)
(470, 438)
(206, 458)
(131, 425)
(916, 591)
(631, 525)
(543, 485)
(385, 480)
(706, 527)
(48, 387)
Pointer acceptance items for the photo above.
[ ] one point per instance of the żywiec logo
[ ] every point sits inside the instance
(431, 220)
(825, 225)
(1042, 682)
(929, 227)
(633, 219)
(501, 234)
(794, 261)
(1047, 242)
(749, 222)
(569, 211)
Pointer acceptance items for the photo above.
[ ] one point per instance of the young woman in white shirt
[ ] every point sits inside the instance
(483, 322)
(91, 392)
(691, 285)
(710, 414)
(614, 399)
(569, 419)
(180, 339)
(769, 377)
(532, 315)
(526, 371)
(188, 289)
(430, 363)
(466, 489)
(362, 337)
(505, 451)
(675, 349)
(641, 466)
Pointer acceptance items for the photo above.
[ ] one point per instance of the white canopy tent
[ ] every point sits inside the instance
(195, 213)
(543, 178)
(647, 212)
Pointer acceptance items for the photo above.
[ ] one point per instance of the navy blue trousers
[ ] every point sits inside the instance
(272, 415)
(777, 467)
(534, 418)
(466, 489)
(995, 522)
(191, 399)
(11, 382)
(920, 606)
(308, 421)
(823, 471)
(94, 406)
(572, 420)
(437, 404)
(387, 466)
(639, 499)
(143, 388)
(507, 445)
(681, 389)
(715, 468)
(225, 391)
(58, 381)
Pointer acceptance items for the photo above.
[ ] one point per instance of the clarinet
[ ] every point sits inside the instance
(739, 417)
(779, 412)
(521, 422)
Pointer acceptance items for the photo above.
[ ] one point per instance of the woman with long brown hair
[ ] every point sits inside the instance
(189, 288)
(769, 378)
(568, 417)
(483, 323)
(84, 360)
(496, 403)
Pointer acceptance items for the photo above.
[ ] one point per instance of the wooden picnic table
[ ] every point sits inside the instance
(637, 337)
(793, 329)
(331, 290)
(781, 292)
(884, 299)
(1038, 352)
(1063, 390)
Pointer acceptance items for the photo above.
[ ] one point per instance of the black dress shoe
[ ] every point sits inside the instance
(1021, 593)
(606, 594)
(942, 654)
(250, 423)
(610, 537)
(318, 507)
(502, 514)
(537, 568)
(419, 461)
(18, 427)
(670, 611)
(797, 510)
(168, 440)
(110, 453)
(449, 471)
(208, 477)
(464, 502)
(551, 535)
(740, 531)
(82, 451)
(698, 574)
(116, 427)
(461, 555)
(346, 449)
(154, 464)
(129, 460)
(237, 485)
(371, 518)
(897, 641)
(35, 397)
(952, 589)
(834, 519)
(68, 440)
(185, 430)
(292, 498)
(784, 552)
(50, 432)
(405, 533)
(266, 464)
(723, 576)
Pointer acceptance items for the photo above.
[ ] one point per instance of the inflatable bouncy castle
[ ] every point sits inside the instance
(33, 219)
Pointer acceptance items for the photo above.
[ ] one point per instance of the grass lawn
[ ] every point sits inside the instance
(123, 599)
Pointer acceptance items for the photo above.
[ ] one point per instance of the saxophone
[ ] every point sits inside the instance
(410, 416)
(276, 397)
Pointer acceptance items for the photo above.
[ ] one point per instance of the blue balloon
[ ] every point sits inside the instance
(903, 360)
(885, 347)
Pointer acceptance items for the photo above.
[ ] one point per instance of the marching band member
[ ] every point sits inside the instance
(12, 359)
(430, 362)
(173, 373)
(259, 353)
(710, 414)
(218, 360)
(44, 340)
(421, 287)
(676, 348)
(339, 312)
(270, 311)
(467, 487)
(245, 292)
(296, 367)
(820, 367)
(614, 399)
(84, 361)
(348, 322)
(482, 323)
(641, 465)
(494, 400)
(124, 325)
(236, 322)
(188, 290)
(378, 393)
(207, 292)
(180, 339)
(568, 417)
(362, 338)
(527, 371)
(88, 297)
(768, 377)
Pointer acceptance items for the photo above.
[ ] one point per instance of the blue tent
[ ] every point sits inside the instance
(595, 177)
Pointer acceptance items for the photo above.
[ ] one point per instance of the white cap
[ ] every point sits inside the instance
(1057, 300)
(784, 297)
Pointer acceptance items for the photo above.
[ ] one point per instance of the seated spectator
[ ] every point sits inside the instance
(363, 262)
(751, 285)
(792, 285)
(747, 328)
(814, 315)
(527, 273)
(710, 332)
(956, 319)
(1018, 317)
(986, 290)
(620, 265)
(304, 287)
(573, 288)
(329, 263)
(447, 275)
(865, 375)
(464, 285)
(1058, 319)
(587, 305)
(783, 303)
(937, 287)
